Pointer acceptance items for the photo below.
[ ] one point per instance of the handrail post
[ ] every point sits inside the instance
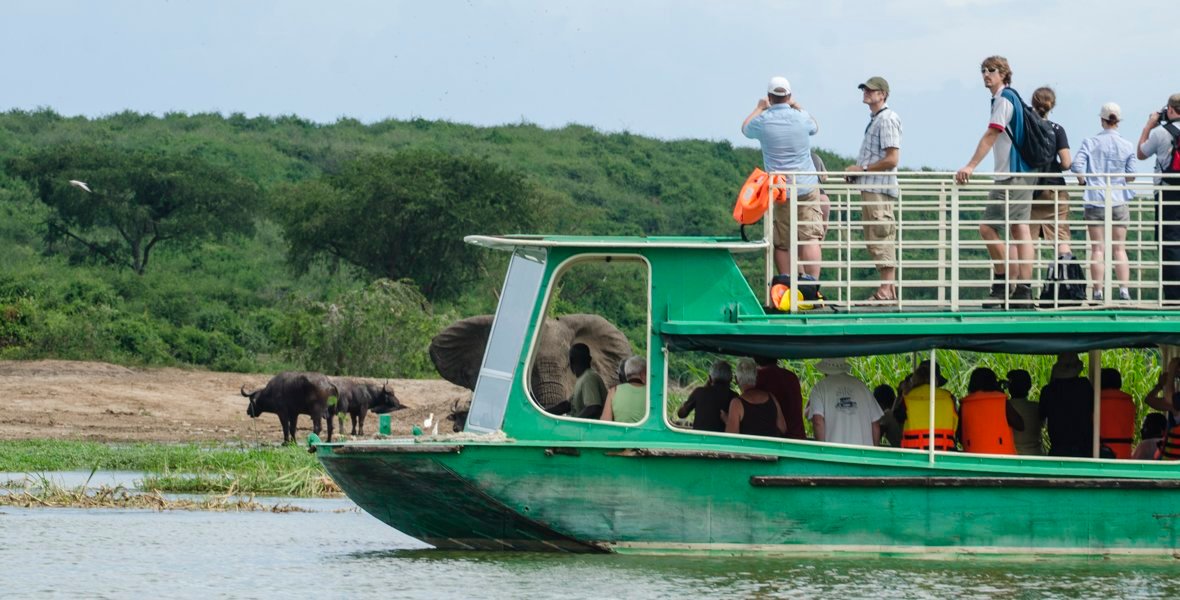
(768, 239)
(793, 241)
(1108, 244)
(932, 385)
(955, 225)
(1096, 378)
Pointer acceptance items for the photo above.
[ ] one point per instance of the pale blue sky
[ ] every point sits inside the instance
(669, 69)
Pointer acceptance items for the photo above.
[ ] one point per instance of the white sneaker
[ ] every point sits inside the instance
(1098, 295)
(1125, 295)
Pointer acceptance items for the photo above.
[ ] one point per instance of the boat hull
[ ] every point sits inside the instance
(510, 496)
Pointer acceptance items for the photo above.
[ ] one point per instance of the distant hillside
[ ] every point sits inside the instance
(236, 301)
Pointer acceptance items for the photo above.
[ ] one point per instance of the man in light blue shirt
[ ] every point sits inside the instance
(784, 130)
(1107, 152)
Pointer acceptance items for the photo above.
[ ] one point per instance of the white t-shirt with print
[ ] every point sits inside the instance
(848, 408)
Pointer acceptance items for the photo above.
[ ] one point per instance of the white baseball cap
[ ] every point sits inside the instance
(1109, 110)
(779, 86)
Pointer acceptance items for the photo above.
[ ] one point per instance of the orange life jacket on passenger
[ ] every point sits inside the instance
(984, 419)
(754, 198)
(1117, 429)
(916, 430)
(1170, 449)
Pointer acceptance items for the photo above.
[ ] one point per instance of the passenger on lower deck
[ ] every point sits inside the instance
(841, 408)
(986, 417)
(709, 402)
(1117, 427)
(755, 411)
(783, 384)
(1067, 406)
(627, 402)
(916, 411)
(890, 426)
(1151, 437)
(1028, 440)
(1163, 397)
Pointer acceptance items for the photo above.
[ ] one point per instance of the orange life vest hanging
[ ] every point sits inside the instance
(1117, 429)
(984, 418)
(754, 198)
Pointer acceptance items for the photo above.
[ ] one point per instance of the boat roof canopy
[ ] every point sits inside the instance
(512, 242)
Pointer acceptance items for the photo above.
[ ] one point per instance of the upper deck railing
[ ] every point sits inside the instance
(942, 261)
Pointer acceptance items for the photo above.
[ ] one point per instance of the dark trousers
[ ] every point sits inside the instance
(1169, 233)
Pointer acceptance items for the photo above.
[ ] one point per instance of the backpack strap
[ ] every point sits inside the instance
(1172, 130)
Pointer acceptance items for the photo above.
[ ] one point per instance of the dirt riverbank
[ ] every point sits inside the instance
(55, 399)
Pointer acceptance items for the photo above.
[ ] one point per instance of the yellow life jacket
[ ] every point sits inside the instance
(916, 431)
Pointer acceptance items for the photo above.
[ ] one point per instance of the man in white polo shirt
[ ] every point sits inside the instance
(880, 153)
(784, 130)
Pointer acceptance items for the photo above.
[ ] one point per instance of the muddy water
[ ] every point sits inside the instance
(340, 552)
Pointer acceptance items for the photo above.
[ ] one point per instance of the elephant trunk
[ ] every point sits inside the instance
(548, 383)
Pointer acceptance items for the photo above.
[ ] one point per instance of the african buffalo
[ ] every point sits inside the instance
(360, 397)
(291, 394)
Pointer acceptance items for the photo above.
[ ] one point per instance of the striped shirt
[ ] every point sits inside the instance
(883, 131)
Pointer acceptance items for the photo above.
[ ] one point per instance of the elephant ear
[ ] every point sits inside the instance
(608, 346)
(457, 351)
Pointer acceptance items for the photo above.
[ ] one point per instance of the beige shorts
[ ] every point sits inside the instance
(876, 210)
(1056, 213)
(806, 214)
(1017, 211)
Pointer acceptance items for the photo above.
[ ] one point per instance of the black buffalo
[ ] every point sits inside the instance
(291, 394)
(357, 398)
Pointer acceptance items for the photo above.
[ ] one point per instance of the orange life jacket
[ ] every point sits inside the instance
(984, 419)
(754, 198)
(1170, 450)
(1117, 429)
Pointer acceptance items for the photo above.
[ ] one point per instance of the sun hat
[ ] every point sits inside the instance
(779, 86)
(833, 366)
(1067, 366)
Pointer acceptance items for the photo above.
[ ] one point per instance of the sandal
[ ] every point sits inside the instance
(877, 296)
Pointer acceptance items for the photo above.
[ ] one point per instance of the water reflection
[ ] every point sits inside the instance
(136, 553)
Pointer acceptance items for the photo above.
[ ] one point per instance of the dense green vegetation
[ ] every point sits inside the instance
(238, 243)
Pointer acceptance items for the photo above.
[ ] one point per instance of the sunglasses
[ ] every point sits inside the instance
(992, 70)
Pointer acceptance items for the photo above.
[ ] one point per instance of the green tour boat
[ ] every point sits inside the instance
(521, 478)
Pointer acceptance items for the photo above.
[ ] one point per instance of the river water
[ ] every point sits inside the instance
(339, 551)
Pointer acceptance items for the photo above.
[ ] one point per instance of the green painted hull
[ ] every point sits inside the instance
(596, 497)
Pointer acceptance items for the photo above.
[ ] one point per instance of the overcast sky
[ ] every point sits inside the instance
(669, 69)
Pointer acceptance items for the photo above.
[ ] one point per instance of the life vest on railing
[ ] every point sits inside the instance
(754, 198)
(985, 423)
(1117, 429)
(916, 430)
(1170, 449)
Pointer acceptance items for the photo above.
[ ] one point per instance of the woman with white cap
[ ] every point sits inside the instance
(1107, 152)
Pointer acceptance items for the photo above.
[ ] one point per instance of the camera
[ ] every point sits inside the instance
(1163, 115)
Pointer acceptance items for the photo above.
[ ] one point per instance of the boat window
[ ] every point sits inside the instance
(505, 342)
(599, 305)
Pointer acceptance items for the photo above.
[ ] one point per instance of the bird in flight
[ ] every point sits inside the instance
(80, 184)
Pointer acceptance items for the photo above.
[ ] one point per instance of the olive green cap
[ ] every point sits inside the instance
(875, 83)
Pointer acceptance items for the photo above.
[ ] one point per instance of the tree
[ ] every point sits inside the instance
(140, 199)
(405, 215)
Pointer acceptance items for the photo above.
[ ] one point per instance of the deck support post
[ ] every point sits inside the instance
(933, 387)
(1096, 380)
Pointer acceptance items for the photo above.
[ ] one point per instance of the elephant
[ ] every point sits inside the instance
(458, 350)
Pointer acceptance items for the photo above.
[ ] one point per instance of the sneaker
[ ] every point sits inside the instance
(1125, 295)
(997, 296)
(1098, 295)
(1021, 295)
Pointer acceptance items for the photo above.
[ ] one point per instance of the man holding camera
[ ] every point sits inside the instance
(1159, 141)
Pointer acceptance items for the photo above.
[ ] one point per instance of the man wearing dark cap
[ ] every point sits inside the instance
(784, 131)
(879, 153)
(1158, 141)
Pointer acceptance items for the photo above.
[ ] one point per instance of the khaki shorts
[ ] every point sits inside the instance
(1019, 207)
(808, 216)
(1118, 214)
(876, 210)
(1056, 213)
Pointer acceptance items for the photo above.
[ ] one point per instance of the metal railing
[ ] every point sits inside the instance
(942, 260)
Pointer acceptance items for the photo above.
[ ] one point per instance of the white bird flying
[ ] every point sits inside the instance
(80, 184)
